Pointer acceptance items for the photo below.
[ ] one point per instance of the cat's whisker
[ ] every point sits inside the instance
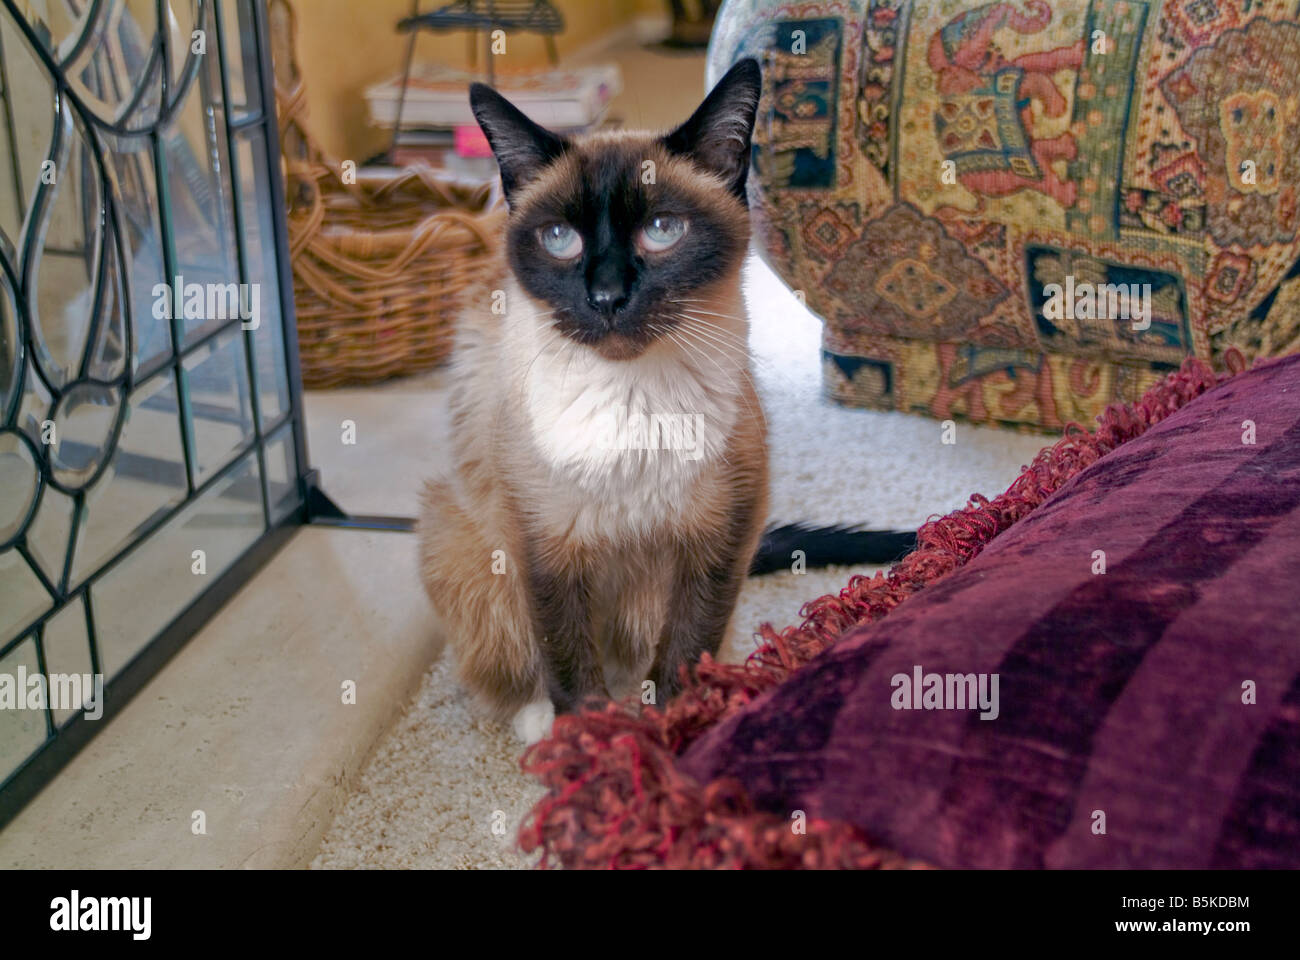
(735, 352)
(757, 361)
(685, 346)
(702, 349)
(688, 300)
(772, 371)
(712, 313)
(729, 335)
(733, 358)
(746, 360)
(681, 320)
(736, 346)
(694, 300)
(702, 315)
(717, 333)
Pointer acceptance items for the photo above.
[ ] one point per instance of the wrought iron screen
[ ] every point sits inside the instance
(152, 450)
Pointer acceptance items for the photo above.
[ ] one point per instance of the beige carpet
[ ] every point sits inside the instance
(444, 790)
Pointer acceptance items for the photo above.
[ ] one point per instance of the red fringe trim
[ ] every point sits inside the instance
(616, 798)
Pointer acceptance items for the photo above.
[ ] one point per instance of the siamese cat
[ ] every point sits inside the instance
(609, 481)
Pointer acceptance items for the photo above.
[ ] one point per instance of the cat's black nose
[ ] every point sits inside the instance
(609, 284)
(607, 299)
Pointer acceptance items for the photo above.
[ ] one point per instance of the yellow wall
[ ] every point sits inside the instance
(346, 45)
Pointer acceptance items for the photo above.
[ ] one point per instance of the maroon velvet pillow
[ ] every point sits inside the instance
(1146, 716)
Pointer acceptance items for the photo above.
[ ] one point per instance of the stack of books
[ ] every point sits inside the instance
(438, 127)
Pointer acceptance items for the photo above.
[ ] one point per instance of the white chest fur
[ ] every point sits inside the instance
(626, 442)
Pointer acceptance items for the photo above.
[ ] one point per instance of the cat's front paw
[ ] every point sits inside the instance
(533, 721)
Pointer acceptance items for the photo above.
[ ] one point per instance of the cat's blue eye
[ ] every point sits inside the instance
(662, 232)
(561, 241)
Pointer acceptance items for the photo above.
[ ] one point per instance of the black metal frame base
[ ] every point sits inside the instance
(324, 512)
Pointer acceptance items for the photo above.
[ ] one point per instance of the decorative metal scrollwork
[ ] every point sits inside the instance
(135, 154)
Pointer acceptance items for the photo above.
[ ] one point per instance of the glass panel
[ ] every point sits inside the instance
(142, 594)
(67, 652)
(281, 474)
(68, 227)
(147, 478)
(22, 598)
(239, 53)
(260, 257)
(85, 424)
(202, 210)
(29, 100)
(110, 59)
(34, 409)
(106, 352)
(131, 161)
(21, 730)
(47, 537)
(20, 479)
(183, 17)
(66, 27)
(216, 383)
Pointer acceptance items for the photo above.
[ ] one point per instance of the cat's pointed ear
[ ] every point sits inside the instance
(522, 148)
(717, 136)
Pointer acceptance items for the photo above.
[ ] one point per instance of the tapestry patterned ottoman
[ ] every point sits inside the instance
(1021, 212)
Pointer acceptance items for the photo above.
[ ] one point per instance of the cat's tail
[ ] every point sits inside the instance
(827, 546)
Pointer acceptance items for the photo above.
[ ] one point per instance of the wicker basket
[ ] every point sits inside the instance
(380, 267)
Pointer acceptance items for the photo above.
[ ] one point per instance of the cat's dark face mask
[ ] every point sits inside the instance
(618, 234)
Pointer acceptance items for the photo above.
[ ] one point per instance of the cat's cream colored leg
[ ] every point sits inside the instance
(477, 587)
